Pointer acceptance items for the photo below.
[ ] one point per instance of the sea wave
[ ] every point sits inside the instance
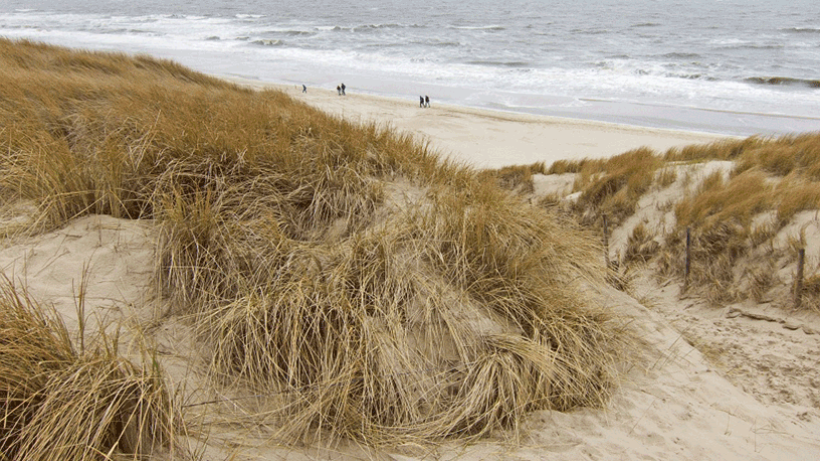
(688, 76)
(266, 42)
(509, 64)
(784, 81)
(431, 42)
(290, 33)
(590, 31)
(493, 27)
(752, 46)
(379, 26)
(368, 27)
(680, 55)
(802, 30)
(443, 44)
(194, 17)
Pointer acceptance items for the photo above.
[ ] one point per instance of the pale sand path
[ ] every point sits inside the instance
(493, 139)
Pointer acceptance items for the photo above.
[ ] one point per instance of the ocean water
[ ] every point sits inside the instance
(725, 66)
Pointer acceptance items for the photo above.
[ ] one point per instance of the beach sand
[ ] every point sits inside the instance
(676, 402)
(492, 139)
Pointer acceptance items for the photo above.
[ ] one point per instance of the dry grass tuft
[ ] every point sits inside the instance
(796, 195)
(60, 403)
(762, 279)
(718, 201)
(811, 293)
(799, 153)
(613, 186)
(641, 246)
(719, 150)
(516, 178)
(731, 259)
(665, 177)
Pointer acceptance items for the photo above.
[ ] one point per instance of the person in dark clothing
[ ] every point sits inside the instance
(304, 89)
(427, 101)
(421, 101)
(339, 90)
(343, 89)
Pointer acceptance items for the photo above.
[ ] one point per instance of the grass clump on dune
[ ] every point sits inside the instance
(61, 403)
(727, 212)
(610, 186)
(362, 286)
(516, 178)
(448, 317)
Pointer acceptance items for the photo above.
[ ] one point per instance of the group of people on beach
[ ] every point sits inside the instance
(424, 101)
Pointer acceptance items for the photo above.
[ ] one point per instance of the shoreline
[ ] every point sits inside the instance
(487, 138)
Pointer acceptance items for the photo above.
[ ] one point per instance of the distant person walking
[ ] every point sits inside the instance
(343, 89)
(339, 90)
(421, 101)
(426, 101)
(304, 89)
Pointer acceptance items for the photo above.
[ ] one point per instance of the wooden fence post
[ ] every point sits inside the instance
(798, 283)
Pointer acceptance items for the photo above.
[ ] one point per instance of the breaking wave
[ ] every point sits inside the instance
(784, 81)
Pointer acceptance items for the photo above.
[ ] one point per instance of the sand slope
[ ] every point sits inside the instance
(110, 260)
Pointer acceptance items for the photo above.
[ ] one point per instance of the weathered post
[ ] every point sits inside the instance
(798, 282)
(688, 261)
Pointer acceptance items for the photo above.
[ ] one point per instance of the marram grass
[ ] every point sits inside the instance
(62, 403)
(354, 282)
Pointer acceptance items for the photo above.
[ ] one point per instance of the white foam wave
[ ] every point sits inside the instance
(494, 27)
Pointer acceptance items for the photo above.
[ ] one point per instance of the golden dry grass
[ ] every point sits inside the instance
(364, 287)
(62, 403)
(717, 200)
(611, 186)
(811, 292)
(516, 178)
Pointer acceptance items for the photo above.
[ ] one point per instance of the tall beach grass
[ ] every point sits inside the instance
(61, 402)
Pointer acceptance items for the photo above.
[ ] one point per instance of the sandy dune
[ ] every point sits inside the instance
(755, 399)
